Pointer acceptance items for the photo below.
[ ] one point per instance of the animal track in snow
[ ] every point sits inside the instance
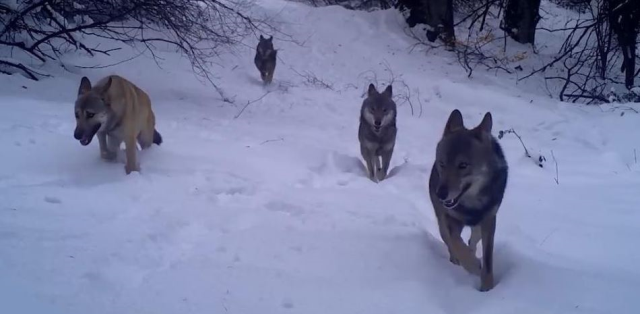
(52, 200)
(287, 303)
(283, 207)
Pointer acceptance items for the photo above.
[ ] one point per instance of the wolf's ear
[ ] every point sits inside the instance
(372, 90)
(261, 37)
(486, 124)
(105, 88)
(388, 92)
(271, 38)
(483, 130)
(85, 86)
(454, 123)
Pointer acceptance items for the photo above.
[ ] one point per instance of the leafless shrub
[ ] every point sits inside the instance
(539, 159)
(310, 79)
(604, 40)
(44, 30)
(402, 93)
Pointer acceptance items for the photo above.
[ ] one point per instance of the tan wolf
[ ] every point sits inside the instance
(115, 110)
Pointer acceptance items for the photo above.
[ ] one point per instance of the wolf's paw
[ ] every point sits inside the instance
(473, 266)
(371, 175)
(380, 175)
(108, 155)
(130, 168)
(486, 283)
(454, 260)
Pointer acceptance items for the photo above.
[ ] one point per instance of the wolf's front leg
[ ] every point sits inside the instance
(461, 250)
(113, 145)
(366, 155)
(105, 152)
(386, 160)
(263, 76)
(488, 232)
(476, 236)
(375, 161)
(131, 151)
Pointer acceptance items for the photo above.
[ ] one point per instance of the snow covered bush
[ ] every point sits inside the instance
(629, 96)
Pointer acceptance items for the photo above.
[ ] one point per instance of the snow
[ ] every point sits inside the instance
(271, 212)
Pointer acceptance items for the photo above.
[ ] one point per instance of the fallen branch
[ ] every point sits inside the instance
(556, 163)
(249, 103)
(30, 73)
(312, 80)
(280, 139)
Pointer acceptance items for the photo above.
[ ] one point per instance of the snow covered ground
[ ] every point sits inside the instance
(270, 212)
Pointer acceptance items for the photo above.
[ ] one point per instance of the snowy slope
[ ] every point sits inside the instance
(270, 212)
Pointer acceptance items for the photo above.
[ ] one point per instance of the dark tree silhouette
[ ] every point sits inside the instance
(520, 20)
(437, 14)
(624, 18)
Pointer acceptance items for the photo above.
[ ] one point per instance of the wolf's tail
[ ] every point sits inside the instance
(157, 138)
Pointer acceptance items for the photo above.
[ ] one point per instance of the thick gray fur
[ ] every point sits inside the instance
(467, 184)
(377, 131)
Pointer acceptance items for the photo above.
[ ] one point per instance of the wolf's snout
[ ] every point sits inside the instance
(442, 192)
(377, 122)
(77, 134)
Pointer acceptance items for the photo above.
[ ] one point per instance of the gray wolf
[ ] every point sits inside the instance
(467, 183)
(115, 110)
(265, 59)
(377, 131)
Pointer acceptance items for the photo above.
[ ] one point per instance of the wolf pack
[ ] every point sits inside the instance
(466, 185)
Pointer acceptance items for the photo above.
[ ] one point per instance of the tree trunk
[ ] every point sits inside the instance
(440, 18)
(437, 14)
(624, 19)
(520, 20)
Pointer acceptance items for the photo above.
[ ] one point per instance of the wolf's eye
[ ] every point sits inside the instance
(77, 115)
(441, 164)
(384, 110)
(90, 115)
(463, 165)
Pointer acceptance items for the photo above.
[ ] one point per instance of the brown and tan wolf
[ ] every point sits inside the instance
(116, 110)
(467, 184)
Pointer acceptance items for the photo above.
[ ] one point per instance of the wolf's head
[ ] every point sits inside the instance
(91, 110)
(379, 109)
(464, 160)
(265, 47)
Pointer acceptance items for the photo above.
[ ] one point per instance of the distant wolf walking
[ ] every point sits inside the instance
(377, 131)
(116, 110)
(265, 59)
(467, 184)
